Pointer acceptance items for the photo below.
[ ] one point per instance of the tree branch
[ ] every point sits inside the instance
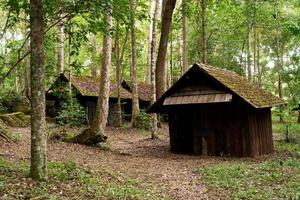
(6, 25)
(20, 58)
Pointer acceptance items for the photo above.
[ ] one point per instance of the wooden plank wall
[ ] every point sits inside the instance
(233, 129)
(260, 128)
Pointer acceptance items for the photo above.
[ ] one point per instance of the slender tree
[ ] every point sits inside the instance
(163, 44)
(95, 133)
(60, 48)
(104, 85)
(27, 71)
(38, 167)
(184, 36)
(152, 67)
(150, 30)
(95, 71)
(203, 31)
(119, 54)
(279, 57)
(133, 74)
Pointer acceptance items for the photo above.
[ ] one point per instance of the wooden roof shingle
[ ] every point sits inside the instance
(89, 86)
(144, 89)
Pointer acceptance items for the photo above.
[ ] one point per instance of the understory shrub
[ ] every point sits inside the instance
(144, 120)
(9, 100)
(3, 108)
(71, 113)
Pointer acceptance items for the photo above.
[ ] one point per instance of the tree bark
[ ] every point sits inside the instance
(258, 57)
(151, 14)
(279, 62)
(104, 87)
(38, 167)
(133, 74)
(184, 37)
(163, 45)
(203, 31)
(95, 71)
(95, 134)
(27, 69)
(298, 117)
(60, 48)
(254, 54)
(119, 60)
(152, 67)
(249, 70)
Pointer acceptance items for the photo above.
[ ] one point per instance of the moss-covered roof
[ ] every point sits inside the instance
(144, 89)
(251, 93)
(89, 86)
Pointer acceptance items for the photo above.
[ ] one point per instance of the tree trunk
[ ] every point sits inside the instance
(152, 67)
(279, 61)
(254, 54)
(60, 48)
(69, 60)
(298, 117)
(15, 74)
(104, 87)
(119, 60)
(27, 69)
(280, 68)
(163, 45)
(38, 167)
(151, 14)
(184, 38)
(135, 98)
(95, 71)
(203, 32)
(249, 55)
(248, 42)
(95, 133)
(258, 57)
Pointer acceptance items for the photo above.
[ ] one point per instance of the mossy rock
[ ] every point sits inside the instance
(7, 134)
(61, 135)
(17, 119)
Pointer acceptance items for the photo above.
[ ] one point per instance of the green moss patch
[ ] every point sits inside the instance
(68, 181)
(7, 134)
(17, 119)
(276, 178)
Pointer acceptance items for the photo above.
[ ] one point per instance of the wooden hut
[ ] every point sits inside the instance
(86, 89)
(144, 93)
(217, 112)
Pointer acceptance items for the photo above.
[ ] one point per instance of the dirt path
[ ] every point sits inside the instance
(133, 154)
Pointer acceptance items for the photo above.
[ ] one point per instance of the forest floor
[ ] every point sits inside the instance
(132, 166)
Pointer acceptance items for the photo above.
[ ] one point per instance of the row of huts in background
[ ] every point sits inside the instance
(210, 111)
(86, 90)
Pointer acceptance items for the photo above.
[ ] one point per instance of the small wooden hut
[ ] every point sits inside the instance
(86, 89)
(217, 112)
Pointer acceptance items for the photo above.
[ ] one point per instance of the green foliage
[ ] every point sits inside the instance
(290, 123)
(71, 113)
(9, 99)
(144, 120)
(272, 179)
(3, 108)
(68, 180)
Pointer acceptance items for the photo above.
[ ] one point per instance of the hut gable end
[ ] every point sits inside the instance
(206, 84)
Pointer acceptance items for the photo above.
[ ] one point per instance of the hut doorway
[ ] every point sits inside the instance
(202, 140)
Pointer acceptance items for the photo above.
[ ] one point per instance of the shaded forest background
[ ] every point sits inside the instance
(258, 39)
